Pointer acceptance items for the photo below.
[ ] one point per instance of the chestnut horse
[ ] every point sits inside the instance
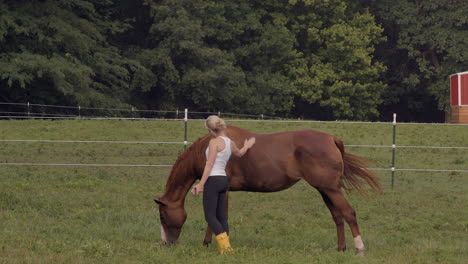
(276, 162)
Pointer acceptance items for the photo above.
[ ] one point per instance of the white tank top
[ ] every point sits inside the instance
(222, 157)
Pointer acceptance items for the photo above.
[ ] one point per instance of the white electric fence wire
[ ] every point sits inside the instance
(230, 120)
(152, 142)
(427, 170)
(423, 147)
(91, 108)
(83, 165)
(43, 115)
(88, 141)
(163, 165)
(257, 118)
(91, 118)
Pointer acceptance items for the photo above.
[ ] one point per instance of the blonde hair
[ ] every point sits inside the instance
(215, 123)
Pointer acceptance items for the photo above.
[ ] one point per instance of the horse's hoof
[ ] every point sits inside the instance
(360, 252)
(206, 243)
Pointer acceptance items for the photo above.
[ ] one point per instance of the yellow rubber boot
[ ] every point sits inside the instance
(224, 246)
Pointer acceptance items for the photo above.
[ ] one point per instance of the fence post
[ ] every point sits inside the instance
(79, 111)
(177, 114)
(393, 149)
(185, 129)
(28, 109)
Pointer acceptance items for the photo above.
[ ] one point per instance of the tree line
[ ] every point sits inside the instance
(333, 59)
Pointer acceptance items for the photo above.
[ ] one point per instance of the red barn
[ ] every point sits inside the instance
(459, 97)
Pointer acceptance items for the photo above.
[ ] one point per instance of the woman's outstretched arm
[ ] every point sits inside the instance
(248, 143)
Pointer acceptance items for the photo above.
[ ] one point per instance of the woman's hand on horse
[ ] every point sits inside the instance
(197, 189)
(249, 142)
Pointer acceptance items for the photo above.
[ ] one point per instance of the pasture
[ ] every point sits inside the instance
(80, 214)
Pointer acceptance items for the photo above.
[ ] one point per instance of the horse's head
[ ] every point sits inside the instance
(186, 170)
(172, 219)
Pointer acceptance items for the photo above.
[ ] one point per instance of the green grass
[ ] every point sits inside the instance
(107, 214)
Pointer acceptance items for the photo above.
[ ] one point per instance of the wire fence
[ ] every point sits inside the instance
(170, 166)
(87, 141)
(173, 142)
(181, 142)
(45, 111)
(82, 164)
(40, 111)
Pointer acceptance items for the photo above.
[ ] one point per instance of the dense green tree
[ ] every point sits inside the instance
(256, 56)
(427, 42)
(57, 52)
(217, 55)
(310, 58)
(336, 75)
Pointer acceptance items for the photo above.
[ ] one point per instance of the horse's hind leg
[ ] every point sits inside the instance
(339, 222)
(348, 213)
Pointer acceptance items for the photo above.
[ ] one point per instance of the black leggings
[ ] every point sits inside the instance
(214, 203)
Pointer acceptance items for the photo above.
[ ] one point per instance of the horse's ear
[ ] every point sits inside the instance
(159, 202)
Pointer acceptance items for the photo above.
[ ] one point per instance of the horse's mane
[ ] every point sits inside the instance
(184, 165)
(184, 169)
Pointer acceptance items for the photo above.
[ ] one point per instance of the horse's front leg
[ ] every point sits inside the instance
(208, 236)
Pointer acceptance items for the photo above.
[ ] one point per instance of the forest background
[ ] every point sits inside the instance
(315, 59)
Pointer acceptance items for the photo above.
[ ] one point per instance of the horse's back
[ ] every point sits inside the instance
(278, 160)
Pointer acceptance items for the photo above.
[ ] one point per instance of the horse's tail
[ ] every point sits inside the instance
(356, 173)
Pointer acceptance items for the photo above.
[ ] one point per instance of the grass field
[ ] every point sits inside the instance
(71, 214)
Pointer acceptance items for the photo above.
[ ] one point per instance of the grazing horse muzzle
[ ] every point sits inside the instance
(172, 218)
(167, 239)
(169, 235)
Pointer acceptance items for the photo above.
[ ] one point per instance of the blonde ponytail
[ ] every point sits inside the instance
(215, 123)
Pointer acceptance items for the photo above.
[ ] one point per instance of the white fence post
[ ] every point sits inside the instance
(185, 128)
(393, 149)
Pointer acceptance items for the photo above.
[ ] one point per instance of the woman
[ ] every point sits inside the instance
(214, 182)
